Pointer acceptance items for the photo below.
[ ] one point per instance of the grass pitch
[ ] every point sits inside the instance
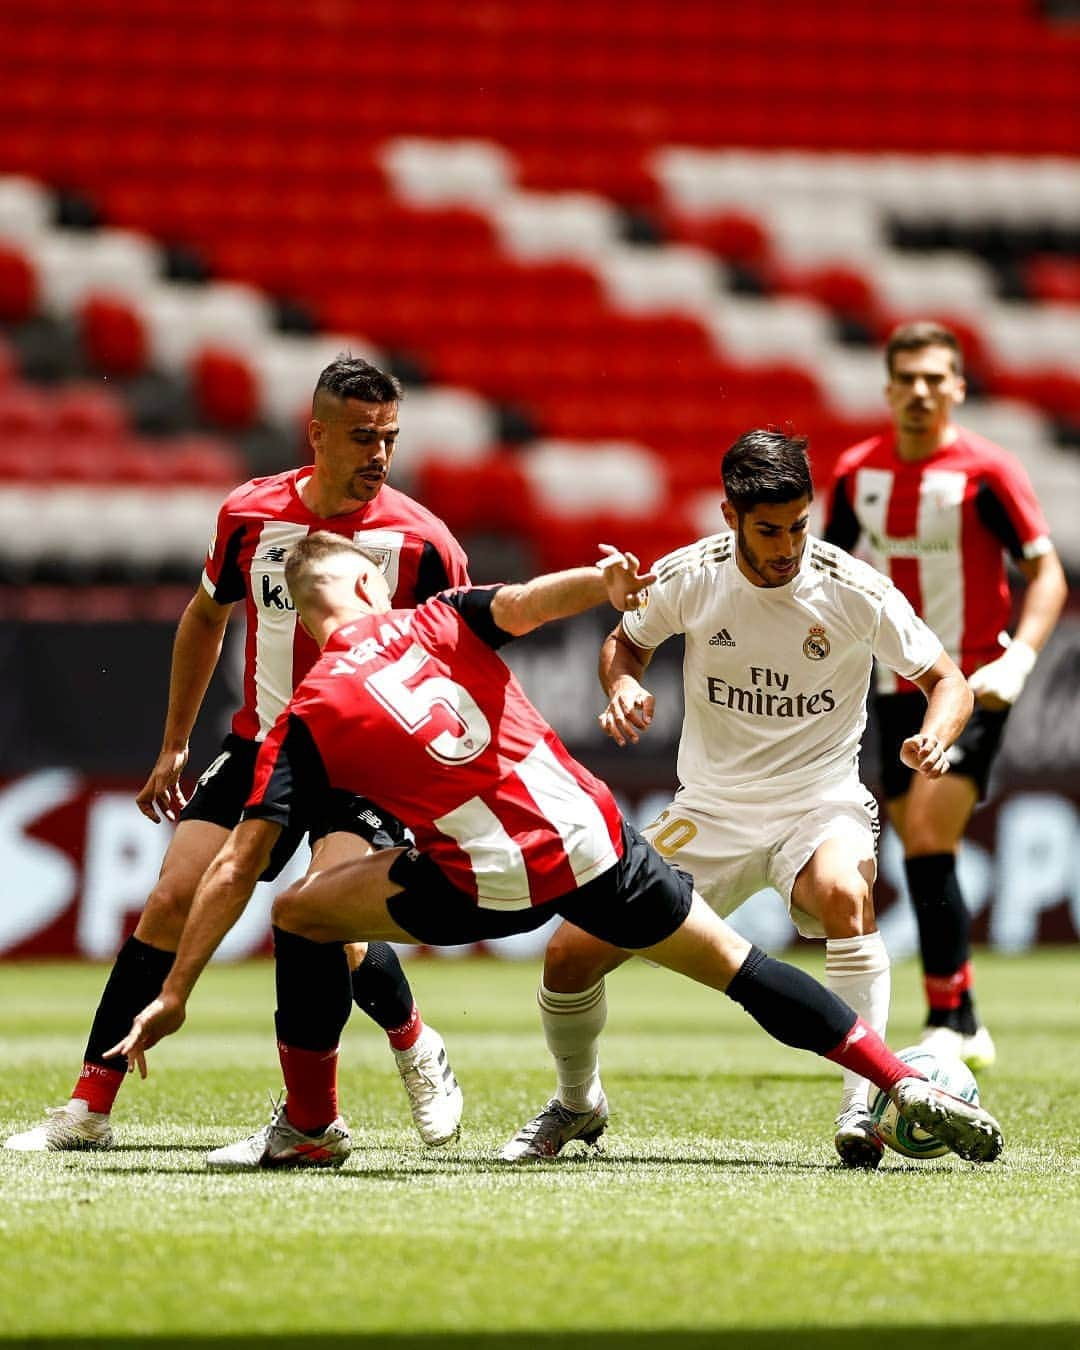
(717, 1215)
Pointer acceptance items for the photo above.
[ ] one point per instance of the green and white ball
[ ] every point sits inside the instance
(911, 1140)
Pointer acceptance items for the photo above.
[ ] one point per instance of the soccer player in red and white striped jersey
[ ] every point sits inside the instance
(352, 434)
(418, 708)
(938, 508)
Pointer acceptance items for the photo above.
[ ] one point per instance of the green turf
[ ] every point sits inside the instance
(716, 1216)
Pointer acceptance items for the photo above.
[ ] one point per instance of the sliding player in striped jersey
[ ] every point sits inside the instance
(780, 631)
(937, 508)
(352, 433)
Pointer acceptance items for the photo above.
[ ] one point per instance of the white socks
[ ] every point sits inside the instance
(572, 1026)
(857, 970)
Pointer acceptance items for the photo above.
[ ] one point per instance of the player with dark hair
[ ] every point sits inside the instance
(780, 634)
(938, 508)
(352, 434)
(417, 708)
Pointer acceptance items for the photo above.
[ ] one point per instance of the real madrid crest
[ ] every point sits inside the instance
(816, 646)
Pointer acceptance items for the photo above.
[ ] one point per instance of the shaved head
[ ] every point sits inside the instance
(323, 566)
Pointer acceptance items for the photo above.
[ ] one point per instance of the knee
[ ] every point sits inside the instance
(291, 913)
(925, 832)
(847, 908)
(165, 913)
(570, 964)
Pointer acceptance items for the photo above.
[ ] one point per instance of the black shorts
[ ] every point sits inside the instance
(224, 788)
(637, 903)
(972, 755)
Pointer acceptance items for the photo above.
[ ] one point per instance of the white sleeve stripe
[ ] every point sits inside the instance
(645, 646)
(922, 669)
(1038, 548)
(208, 585)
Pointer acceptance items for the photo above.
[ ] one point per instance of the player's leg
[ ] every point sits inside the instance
(135, 980)
(573, 1012)
(572, 996)
(930, 817)
(314, 998)
(834, 889)
(354, 827)
(934, 816)
(793, 1008)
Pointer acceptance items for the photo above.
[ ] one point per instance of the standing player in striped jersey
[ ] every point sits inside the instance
(781, 631)
(352, 434)
(937, 508)
(509, 830)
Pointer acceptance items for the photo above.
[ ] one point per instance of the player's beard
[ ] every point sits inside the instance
(761, 568)
(362, 489)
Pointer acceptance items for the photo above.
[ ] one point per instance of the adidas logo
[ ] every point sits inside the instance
(722, 639)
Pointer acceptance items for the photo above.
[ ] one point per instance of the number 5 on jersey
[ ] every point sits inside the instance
(413, 706)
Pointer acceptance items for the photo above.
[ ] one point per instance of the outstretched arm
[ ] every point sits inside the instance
(220, 900)
(196, 649)
(518, 609)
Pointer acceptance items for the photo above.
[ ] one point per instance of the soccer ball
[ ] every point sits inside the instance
(948, 1073)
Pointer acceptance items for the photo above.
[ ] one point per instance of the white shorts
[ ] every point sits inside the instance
(751, 845)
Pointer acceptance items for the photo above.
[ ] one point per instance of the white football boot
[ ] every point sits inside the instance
(281, 1144)
(434, 1096)
(857, 1140)
(970, 1131)
(977, 1050)
(71, 1126)
(548, 1133)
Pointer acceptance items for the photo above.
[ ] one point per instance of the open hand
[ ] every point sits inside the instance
(625, 583)
(158, 1019)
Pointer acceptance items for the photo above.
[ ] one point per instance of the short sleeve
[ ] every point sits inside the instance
(903, 642)
(1008, 507)
(473, 603)
(442, 567)
(656, 617)
(223, 578)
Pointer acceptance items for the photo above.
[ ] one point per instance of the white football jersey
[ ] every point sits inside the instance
(775, 678)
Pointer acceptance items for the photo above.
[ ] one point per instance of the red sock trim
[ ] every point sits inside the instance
(864, 1052)
(98, 1086)
(405, 1036)
(311, 1101)
(943, 992)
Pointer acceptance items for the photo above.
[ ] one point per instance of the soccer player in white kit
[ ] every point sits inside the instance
(781, 631)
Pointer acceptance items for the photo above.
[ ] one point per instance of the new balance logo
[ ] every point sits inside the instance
(722, 639)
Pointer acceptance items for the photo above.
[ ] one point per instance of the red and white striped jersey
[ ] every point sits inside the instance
(416, 712)
(940, 528)
(257, 525)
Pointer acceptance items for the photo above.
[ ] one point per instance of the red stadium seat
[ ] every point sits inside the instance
(113, 336)
(225, 388)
